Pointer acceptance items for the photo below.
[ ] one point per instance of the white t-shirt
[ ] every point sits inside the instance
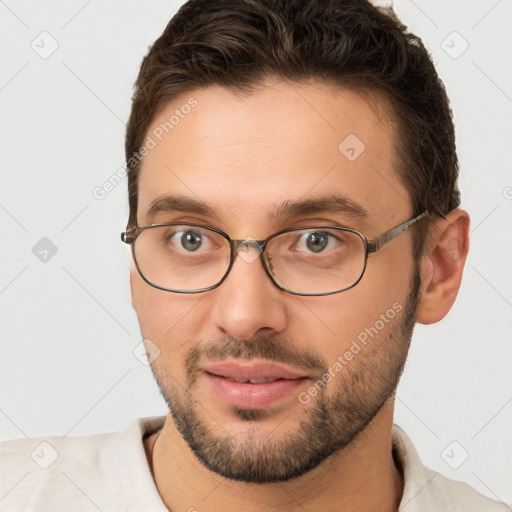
(110, 472)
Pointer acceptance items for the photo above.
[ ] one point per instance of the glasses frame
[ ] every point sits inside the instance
(371, 246)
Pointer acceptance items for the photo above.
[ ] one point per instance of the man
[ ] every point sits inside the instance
(293, 213)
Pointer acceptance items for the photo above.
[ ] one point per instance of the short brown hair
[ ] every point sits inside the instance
(239, 44)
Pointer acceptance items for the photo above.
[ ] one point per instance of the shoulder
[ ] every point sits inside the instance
(91, 472)
(427, 490)
(460, 497)
(36, 470)
(44, 452)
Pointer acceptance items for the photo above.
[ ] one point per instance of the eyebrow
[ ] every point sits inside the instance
(332, 203)
(169, 203)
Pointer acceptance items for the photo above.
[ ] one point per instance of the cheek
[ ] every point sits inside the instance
(372, 306)
(162, 315)
(389, 273)
(333, 324)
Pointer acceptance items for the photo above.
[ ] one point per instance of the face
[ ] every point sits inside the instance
(334, 360)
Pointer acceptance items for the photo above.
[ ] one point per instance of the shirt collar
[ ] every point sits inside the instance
(138, 487)
(416, 496)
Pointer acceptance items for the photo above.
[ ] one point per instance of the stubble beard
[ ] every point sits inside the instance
(330, 423)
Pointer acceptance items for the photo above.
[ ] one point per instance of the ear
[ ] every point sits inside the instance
(442, 265)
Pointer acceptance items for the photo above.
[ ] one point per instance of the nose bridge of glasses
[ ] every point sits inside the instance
(248, 249)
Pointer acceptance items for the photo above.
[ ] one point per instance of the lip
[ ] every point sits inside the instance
(239, 371)
(247, 395)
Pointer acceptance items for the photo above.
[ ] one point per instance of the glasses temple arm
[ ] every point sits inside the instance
(128, 236)
(380, 241)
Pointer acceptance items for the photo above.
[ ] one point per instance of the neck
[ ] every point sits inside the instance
(362, 477)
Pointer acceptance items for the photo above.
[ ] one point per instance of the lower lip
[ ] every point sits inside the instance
(252, 396)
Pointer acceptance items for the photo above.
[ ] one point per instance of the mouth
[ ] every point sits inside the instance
(252, 381)
(252, 384)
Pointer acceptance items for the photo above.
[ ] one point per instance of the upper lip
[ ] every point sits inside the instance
(243, 371)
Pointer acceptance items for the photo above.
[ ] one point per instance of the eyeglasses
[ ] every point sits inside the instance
(192, 258)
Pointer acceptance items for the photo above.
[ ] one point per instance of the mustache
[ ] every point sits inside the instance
(272, 349)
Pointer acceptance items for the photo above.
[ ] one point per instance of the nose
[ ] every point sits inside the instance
(247, 303)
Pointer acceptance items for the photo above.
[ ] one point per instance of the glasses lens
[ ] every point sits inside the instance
(316, 261)
(182, 257)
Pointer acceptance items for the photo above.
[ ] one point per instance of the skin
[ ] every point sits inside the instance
(244, 156)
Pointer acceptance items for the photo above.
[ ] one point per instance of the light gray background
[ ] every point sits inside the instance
(68, 330)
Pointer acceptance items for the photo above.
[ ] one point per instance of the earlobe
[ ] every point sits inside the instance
(442, 266)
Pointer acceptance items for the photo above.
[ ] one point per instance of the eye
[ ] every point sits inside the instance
(190, 239)
(316, 241)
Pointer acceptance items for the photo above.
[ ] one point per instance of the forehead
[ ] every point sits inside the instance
(246, 155)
